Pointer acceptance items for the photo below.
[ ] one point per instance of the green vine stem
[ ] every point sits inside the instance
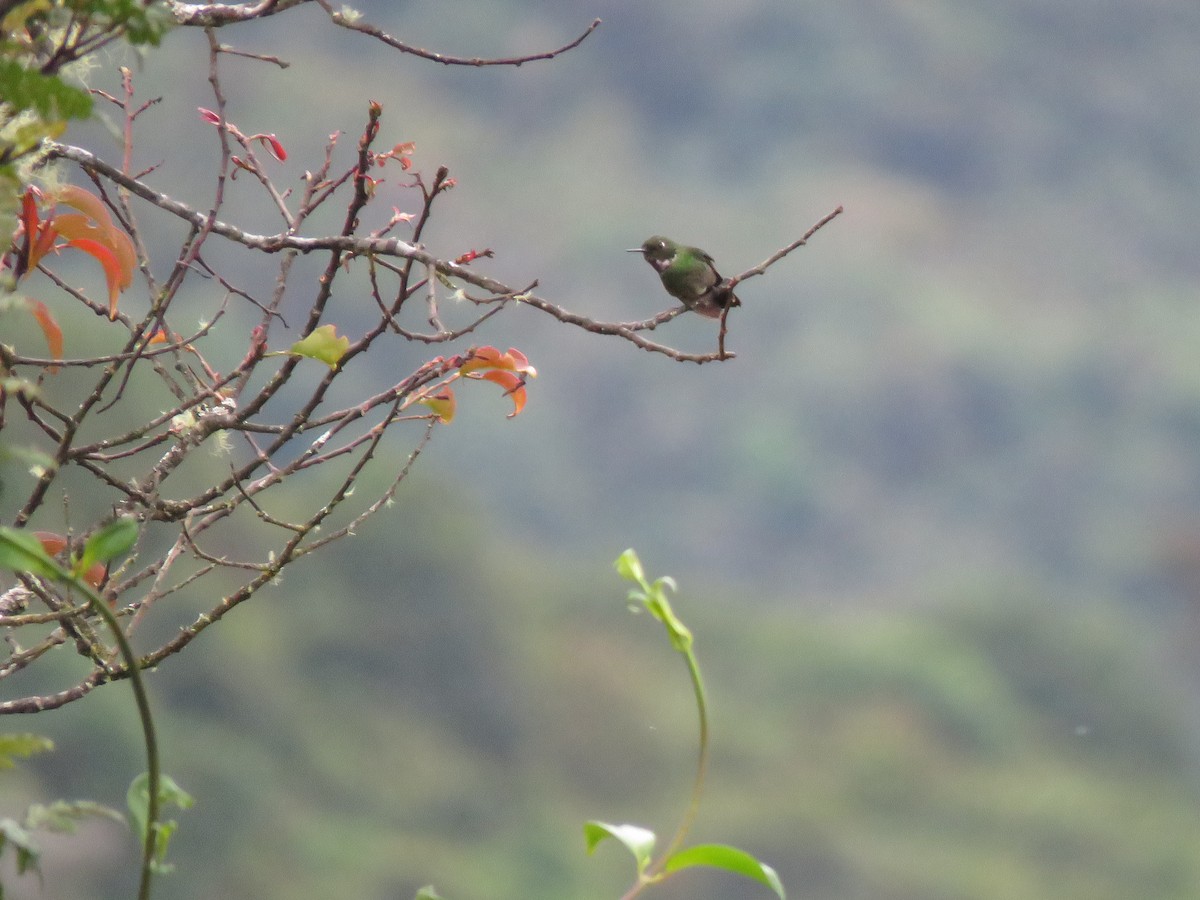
(22, 552)
(653, 873)
(653, 596)
(149, 735)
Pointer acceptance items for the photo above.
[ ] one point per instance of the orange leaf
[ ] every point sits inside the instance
(481, 358)
(96, 224)
(54, 335)
(85, 202)
(112, 268)
(491, 358)
(521, 362)
(74, 226)
(52, 543)
(442, 404)
(508, 380)
(122, 246)
(513, 384)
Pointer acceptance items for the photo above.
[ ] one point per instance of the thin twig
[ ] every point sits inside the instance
(354, 24)
(780, 254)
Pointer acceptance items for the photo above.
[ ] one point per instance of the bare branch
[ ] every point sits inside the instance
(348, 243)
(214, 15)
(354, 24)
(261, 57)
(780, 254)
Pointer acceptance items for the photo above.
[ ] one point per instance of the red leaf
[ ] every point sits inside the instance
(273, 145)
(39, 235)
(29, 214)
(54, 544)
(54, 335)
(43, 243)
(209, 116)
(472, 255)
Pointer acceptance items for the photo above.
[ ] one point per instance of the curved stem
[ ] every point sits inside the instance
(653, 872)
(148, 733)
(689, 816)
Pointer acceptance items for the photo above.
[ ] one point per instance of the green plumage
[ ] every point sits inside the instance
(689, 275)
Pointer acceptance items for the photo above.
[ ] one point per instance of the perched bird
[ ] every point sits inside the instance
(688, 275)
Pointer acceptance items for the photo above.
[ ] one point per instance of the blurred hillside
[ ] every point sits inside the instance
(455, 715)
(937, 525)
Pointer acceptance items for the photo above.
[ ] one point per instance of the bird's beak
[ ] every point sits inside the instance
(634, 250)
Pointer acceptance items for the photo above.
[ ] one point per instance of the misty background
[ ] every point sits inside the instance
(937, 526)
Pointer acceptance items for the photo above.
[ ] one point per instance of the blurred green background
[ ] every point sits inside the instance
(937, 527)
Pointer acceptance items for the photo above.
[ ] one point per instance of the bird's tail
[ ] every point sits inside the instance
(726, 297)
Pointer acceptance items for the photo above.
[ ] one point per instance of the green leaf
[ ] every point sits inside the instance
(428, 893)
(21, 551)
(678, 633)
(731, 859)
(10, 192)
(23, 11)
(639, 841)
(48, 95)
(147, 23)
(25, 136)
(113, 540)
(22, 745)
(27, 851)
(138, 800)
(324, 345)
(629, 567)
(61, 816)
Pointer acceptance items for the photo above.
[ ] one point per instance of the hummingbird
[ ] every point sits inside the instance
(689, 275)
